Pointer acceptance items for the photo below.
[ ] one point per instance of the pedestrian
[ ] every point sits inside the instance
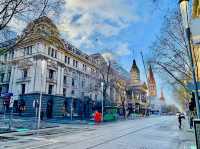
(42, 115)
(180, 117)
(97, 117)
(192, 115)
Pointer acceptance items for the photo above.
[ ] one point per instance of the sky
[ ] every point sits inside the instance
(120, 29)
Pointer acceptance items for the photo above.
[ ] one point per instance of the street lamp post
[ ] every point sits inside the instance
(102, 108)
(40, 99)
(72, 108)
(185, 20)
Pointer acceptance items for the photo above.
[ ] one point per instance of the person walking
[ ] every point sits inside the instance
(180, 117)
(97, 117)
(192, 116)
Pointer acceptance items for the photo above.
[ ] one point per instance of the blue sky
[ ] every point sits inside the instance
(120, 29)
(117, 28)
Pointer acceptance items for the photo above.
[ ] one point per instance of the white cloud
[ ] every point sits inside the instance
(108, 56)
(17, 25)
(82, 19)
(123, 50)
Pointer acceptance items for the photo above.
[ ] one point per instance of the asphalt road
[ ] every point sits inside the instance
(148, 133)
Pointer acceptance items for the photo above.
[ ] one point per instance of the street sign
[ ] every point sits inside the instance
(197, 132)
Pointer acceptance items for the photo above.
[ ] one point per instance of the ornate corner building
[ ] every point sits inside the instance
(45, 63)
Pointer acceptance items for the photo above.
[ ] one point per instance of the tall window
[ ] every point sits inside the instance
(5, 57)
(55, 55)
(11, 54)
(23, 88)
(8, 77)
(25, 73)
(52, 52)
(68, 61)
(74, 62)
(83, 84)
(2, 77)
(51, 72)
(73, 82)
(0, 89)
(28, 50)
(65, 80)
(49, 51)
(64, 91)
(72, 92)
(50, 90)
(6, 88)
(65, 59)
(84, 67)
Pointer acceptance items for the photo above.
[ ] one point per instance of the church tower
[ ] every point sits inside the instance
(162, 98)
(151, 83)
(135, 73)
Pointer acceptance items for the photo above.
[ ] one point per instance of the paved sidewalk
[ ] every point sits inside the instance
(187, 137)
(22, 123)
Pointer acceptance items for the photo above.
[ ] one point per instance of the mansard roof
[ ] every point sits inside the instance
(42, 20)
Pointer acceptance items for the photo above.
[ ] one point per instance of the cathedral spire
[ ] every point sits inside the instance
(162, 98)
(151, 83)
(135, 73)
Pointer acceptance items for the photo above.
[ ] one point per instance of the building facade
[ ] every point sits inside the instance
(44, 63)
(137, 91)
(152, 92)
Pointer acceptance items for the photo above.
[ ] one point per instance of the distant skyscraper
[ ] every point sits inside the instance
(135, 73)
(151, 83)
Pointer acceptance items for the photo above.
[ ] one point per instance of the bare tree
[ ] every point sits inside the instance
(105, 75)
(170, 51)
(25, 11)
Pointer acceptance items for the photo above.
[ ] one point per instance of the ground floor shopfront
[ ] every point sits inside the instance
(51, 106)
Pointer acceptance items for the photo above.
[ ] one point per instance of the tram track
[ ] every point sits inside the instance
(61, 144)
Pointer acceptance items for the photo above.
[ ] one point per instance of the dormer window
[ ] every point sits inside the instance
(28, 50)
(52, 52)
